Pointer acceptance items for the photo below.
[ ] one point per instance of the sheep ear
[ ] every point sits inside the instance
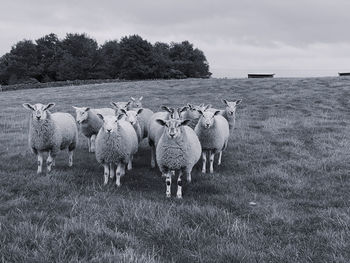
(120, 116)
(49, 106)
(123, 111)
(224, 101)
(140, 98)
(100, 116)
(183, 109)
(200, 111)
(28, 106)
(114, 104)
(238, 101)
(185, 122)
(76, 108)
(132, 98)
(127, 104)
(201, 105)
(207, 107)
(216, 112)
(139, 111)
(189, 106)
(87, 109)
(161, 122)
(163, 107)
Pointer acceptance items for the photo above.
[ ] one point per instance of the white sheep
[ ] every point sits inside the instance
(51, 132)
(136, 103)
(90, 123)
(116, 143)
(190, 112)
(178, 149)
(132, 117)
(120, 105)
(145, 116)
(213, 133)
(155, 130)
(229, 113)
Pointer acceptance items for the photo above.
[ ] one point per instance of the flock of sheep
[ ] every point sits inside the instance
(178, 137)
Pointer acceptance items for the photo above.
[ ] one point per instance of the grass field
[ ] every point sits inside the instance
(289, 154)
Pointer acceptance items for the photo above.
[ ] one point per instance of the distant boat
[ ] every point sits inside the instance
(344, 73)
(260, 75)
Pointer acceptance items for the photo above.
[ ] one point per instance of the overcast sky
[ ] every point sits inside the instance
(290, 38)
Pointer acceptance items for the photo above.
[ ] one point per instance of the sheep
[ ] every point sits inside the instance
(145, 115)
(229, 113)
(143, 118)
(89, 123)
(191, 112)
(136, 103)
(116, 143)
(132, 117)
(213, 133)
(51, 132)
(178, 149)
(155, 130)
(120, 105)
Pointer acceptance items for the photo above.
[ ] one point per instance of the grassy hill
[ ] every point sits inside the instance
(289, 153)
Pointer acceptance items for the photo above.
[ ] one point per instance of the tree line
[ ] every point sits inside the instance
(79, 57)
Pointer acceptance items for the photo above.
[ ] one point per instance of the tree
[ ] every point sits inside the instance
(48, 53)
(21, 64)
(110, 61)
(136, 58)
(191, 62)
(78, 58)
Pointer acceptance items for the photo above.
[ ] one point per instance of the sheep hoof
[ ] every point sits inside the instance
(168, 195)
(179, 196)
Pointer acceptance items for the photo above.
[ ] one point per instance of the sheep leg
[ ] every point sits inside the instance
(111, 170)
(179, 186)
(70, 158)
(211, 159)
(119, 173)
(130, 163)
(89, 145)
(106, 173)
(92, 143)
(219, 160)
(168, 184)
(188, 173)
(50, 160)
(40, 162)
(153, 162)
(204, 157)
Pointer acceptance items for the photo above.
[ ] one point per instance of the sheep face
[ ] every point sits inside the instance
(118, 106)
(231, 106)
(110, 123)
(207, 119)
(82, 114)
(131, 115)
(136, 103)
(39, 111)
(192, 110)
(173, 127)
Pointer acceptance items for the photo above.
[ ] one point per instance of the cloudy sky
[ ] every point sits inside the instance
(287, 37)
